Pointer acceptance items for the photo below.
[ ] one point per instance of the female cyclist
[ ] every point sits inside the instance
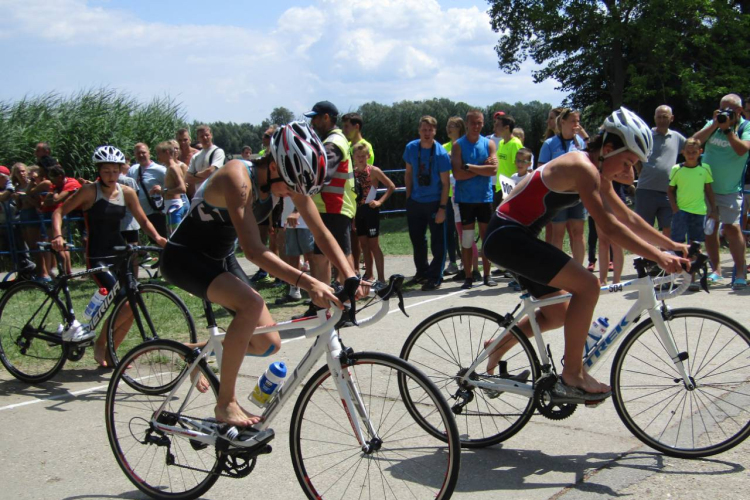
(229, 205)
(103, 204)
(543, 269)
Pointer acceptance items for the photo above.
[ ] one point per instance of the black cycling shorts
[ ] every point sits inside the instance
(194, 271)
(367, 221)
(340, 227)
(475, 212)
(534, 262)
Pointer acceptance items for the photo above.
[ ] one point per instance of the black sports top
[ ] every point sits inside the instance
(534, 204)
(209, 230)
(103, 224)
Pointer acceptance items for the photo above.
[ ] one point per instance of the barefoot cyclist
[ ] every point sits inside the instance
(200, 258)
(544, 270)
(104, 203)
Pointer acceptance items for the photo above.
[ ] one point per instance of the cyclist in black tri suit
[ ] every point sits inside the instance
(512, 238)
(103, 203)
(200, 255)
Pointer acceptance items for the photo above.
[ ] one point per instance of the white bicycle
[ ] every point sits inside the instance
(352, 434)
(680, 380)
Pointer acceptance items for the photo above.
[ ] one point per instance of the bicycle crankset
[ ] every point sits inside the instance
(545, 401)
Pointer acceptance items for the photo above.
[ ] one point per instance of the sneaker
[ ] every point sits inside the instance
(522, 377)
(378, 285)
(489, 281)
(475, 276)
(460, 276)
(311, 311)
(467, 284)
(277, 283)
(515, 286)
(77, 333)
(430, 285)
(498, 272)
(611, 266)
(451, 269)
(694, 287)
(294, 293)
(416, 280)
(268, 280)
(590, 267)
(739, 284)
(305, 267)
(258, 276)
(714, 278)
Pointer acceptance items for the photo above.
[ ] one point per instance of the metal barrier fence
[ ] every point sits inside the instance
(17, 245)
(398, 190)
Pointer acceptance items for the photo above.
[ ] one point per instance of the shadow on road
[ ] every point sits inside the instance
(501, 469)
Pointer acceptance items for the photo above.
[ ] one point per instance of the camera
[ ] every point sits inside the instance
(424, 179)
(724, 115)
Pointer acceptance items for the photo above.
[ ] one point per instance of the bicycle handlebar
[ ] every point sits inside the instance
(348, 293)
(698, 266)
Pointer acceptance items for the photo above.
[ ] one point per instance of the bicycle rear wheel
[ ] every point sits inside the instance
(405, 460)
(164, 466)
(27, 310)
(660, 410)
(163, 316)
(446, 344)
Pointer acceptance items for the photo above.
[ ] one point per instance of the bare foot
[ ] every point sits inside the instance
(234, 414)
(202, 385)
(585, 382)
(101, 356)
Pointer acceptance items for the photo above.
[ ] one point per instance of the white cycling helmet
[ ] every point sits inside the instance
(108, 154)
(632, 130)
(300, 157)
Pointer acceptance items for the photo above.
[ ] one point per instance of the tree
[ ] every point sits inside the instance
(280, 116)
(638, 53)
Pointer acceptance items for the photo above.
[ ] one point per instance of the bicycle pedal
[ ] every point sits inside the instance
(246, 438)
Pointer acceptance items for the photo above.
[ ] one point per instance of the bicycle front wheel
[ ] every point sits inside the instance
(446, 344)
(402, 460)
(163, 315)
(28, 313)
(660, 409)
(164, 466)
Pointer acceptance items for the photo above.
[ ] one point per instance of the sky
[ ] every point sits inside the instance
(237, 60)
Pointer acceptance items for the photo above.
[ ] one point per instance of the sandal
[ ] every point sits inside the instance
(714, 278)
(739, 284)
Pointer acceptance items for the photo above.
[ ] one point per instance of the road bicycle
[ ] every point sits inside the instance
(33, 317)
(363, 425)
(680, 380)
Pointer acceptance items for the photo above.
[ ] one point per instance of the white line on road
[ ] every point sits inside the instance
(102, 387)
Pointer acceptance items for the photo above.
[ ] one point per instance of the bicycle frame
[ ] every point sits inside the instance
(327, 342)
(647, 301)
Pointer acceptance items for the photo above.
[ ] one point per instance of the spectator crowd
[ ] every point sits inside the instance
(692, 188)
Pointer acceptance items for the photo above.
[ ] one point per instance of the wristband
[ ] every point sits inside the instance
(58, 236)
(441, 207)
(466, 166)
(296, 283)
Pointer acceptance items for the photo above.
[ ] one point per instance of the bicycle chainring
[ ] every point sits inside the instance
(75, 354)
(237, 465)
(544, 400)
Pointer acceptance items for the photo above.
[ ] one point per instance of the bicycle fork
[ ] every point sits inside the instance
(354, 405)
(658, 316)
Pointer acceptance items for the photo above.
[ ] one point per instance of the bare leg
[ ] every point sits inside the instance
(228, 291)
(577, 243)
(712, 249)
(377, 255)
(558, 234)
(364, 245)
(736, 241)
(486, 265)
(122, 327)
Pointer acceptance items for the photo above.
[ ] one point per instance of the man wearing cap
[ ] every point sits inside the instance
(337, 200)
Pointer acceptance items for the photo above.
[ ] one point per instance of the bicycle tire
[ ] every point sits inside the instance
(38, 360)
(411, 463)
(159, 365)
(446, 344)
(654, 395)
(162, 306)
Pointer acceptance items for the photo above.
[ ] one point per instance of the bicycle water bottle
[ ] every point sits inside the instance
(709, 226)
(597, 331)
(94, 305)
(268, 384)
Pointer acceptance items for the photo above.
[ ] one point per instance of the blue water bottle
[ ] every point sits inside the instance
(268, 384)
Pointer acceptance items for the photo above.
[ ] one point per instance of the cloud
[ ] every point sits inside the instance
(349, 51)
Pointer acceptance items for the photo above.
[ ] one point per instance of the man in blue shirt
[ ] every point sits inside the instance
(474, 165)
(726, 141)
(427, 177)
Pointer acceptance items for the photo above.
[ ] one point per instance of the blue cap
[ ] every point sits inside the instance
(604, 321)
(278, 368)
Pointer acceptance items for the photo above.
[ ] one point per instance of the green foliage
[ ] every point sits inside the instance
(75, 125)
(685, 53)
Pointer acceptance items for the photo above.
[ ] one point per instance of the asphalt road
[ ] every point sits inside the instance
(53, 443)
